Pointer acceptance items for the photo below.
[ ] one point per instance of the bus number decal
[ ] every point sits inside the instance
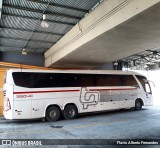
(24, 96)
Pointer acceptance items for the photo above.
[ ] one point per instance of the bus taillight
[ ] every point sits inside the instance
(7, 105)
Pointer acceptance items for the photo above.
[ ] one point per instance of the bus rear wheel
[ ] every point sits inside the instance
(70, 112)
(52, 114)
(138, 104)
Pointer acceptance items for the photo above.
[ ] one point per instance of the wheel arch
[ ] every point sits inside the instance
(51, 105)
(140, 101)
(67, 104)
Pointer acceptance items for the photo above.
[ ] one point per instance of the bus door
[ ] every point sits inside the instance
(148, 92)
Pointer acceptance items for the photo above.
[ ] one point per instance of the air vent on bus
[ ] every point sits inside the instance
(4, 93)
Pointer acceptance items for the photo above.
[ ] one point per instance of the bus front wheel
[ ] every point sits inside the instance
(52, 113)
(70, 112)
(138, 104)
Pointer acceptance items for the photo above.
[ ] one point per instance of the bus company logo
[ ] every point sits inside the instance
(24, 96)
(90, 98)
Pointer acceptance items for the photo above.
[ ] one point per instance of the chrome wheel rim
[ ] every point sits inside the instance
(52, 114)
(71, 112)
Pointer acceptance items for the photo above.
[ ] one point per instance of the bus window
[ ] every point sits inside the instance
(148, 88)
(85, 80)
(115, 80)
(24, 79)
(63, 80)
(129, 80)
(142, 80)
(43, 80)
(102, 80)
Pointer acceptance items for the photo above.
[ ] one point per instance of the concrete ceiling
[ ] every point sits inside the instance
(139, 33)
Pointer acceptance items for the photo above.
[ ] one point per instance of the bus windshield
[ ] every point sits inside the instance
(144, 82)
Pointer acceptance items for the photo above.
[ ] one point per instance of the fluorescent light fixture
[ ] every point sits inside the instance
(44, 23)
(24, 52)
(44, 16)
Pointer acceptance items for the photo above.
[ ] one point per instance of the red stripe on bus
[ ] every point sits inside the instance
(29, 92)
(113, 89)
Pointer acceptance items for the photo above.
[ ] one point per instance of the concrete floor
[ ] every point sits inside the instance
(126, 124)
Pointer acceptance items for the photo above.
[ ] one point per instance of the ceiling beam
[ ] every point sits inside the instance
(22, 39)
(37, 19)
(29, 30)
(41, 11)
(60, 6)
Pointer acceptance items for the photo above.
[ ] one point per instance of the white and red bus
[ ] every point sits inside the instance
(30, 94)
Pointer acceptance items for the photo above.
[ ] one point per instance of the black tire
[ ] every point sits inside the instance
(138, 105)
(70, 112)
(52, 114)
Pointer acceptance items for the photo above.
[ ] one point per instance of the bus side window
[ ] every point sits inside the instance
(65, 80)
(86, 80)
(101, 80)
(23, 79)
(43, 80)
(142, 80)
(76, 80)
(129, 80)
(115, 80)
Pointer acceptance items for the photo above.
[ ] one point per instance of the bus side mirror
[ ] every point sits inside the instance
(151, 82)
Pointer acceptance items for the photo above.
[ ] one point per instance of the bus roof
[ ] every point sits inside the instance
(78, 71)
